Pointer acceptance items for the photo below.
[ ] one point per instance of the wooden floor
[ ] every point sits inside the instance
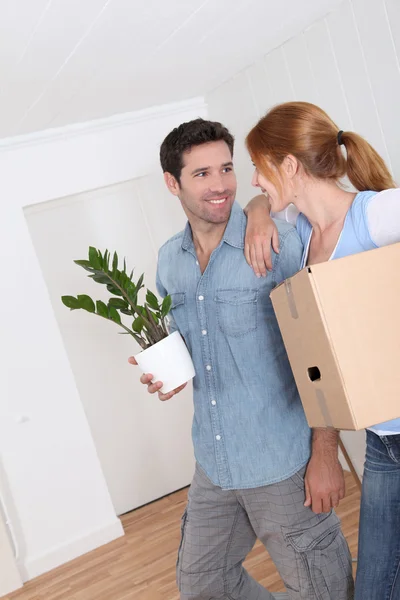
(141, 565)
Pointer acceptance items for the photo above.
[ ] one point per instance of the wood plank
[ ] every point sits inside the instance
(142, 564)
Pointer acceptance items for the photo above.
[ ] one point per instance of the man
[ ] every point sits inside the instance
(251, 439)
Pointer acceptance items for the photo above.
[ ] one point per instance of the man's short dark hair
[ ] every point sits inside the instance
(183, 138)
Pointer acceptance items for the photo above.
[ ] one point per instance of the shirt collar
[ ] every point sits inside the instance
(234, 232)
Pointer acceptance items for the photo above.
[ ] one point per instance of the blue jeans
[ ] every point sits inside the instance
(378, 570)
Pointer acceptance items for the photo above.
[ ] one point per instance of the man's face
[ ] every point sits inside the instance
(208, 183)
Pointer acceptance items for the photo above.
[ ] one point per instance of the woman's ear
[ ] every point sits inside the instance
(290, 166)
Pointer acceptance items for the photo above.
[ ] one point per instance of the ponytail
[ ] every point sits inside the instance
(366, 169)
(307, 132)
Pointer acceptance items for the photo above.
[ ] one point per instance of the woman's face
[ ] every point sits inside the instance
(279, 198)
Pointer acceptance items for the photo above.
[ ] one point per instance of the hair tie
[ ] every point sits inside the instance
(339, 138)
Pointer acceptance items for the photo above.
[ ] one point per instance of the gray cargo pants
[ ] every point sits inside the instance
(219, 528)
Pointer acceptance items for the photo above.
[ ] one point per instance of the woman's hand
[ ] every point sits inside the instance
(261, 234)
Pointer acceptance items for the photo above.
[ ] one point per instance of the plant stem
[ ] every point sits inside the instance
(154, 329)
(141, 341)
(127, 298)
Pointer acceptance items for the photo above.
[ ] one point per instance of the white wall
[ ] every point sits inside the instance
(348, 63)
(144, 446)
(60, 503)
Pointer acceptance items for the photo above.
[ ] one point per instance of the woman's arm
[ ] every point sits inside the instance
(261, 232)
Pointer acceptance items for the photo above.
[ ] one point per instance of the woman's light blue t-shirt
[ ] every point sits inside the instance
(355, 238)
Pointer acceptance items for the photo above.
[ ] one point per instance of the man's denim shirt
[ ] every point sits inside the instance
(249, 427)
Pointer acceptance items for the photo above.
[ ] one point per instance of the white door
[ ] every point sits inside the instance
(144, 445)
(10, 578)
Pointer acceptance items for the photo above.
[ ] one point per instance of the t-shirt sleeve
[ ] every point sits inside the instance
(289, 214)
(383, 217)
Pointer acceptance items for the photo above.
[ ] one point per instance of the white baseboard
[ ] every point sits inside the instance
(35, 566)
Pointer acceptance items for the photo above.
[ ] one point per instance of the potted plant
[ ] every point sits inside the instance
(165, 356)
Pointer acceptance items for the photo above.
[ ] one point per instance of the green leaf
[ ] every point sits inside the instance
(118, 303)
(139, 284)
(155, 317)
(106, 260)
(94, 259)
(166, 306)
(115, 263)
(126, 311)
(86, 303)
(85, 264)
(152, 300)
(132, 291)
(114, 314)
(131, 288)
(100, 278)
(142, 310)
(138, 324)
(123, 279)
(100, 257)
(113, 290)
(70, 302)
(115, 275)
(101, 309)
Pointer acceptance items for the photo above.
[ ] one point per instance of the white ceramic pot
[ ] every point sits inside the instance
(168, 361)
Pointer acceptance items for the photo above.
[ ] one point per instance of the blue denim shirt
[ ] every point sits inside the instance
(249, 427)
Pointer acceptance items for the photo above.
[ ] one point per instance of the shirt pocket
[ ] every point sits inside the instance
(179, 312)
(237, 311)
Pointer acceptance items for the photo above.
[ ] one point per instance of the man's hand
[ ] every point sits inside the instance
(261, 233)
(324, 480)
(152, 388)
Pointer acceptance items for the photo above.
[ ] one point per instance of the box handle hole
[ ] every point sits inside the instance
(314, 374)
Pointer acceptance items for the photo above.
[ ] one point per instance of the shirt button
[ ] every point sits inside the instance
(218, 437)
(204, 332)
(213, 402)
(208, 367)
(201, 297)
(197, 262)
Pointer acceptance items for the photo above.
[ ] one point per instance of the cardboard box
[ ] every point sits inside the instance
(340, 322)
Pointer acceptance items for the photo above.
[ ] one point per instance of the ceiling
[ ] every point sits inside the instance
(69, 61)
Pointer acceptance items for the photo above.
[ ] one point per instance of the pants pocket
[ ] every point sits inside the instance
(298, 479)
(392, 443)
(323, 559)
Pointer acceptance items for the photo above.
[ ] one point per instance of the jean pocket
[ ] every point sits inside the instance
(392, 443)
(237, 311)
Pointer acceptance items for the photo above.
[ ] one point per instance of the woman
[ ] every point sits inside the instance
(297, 152)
